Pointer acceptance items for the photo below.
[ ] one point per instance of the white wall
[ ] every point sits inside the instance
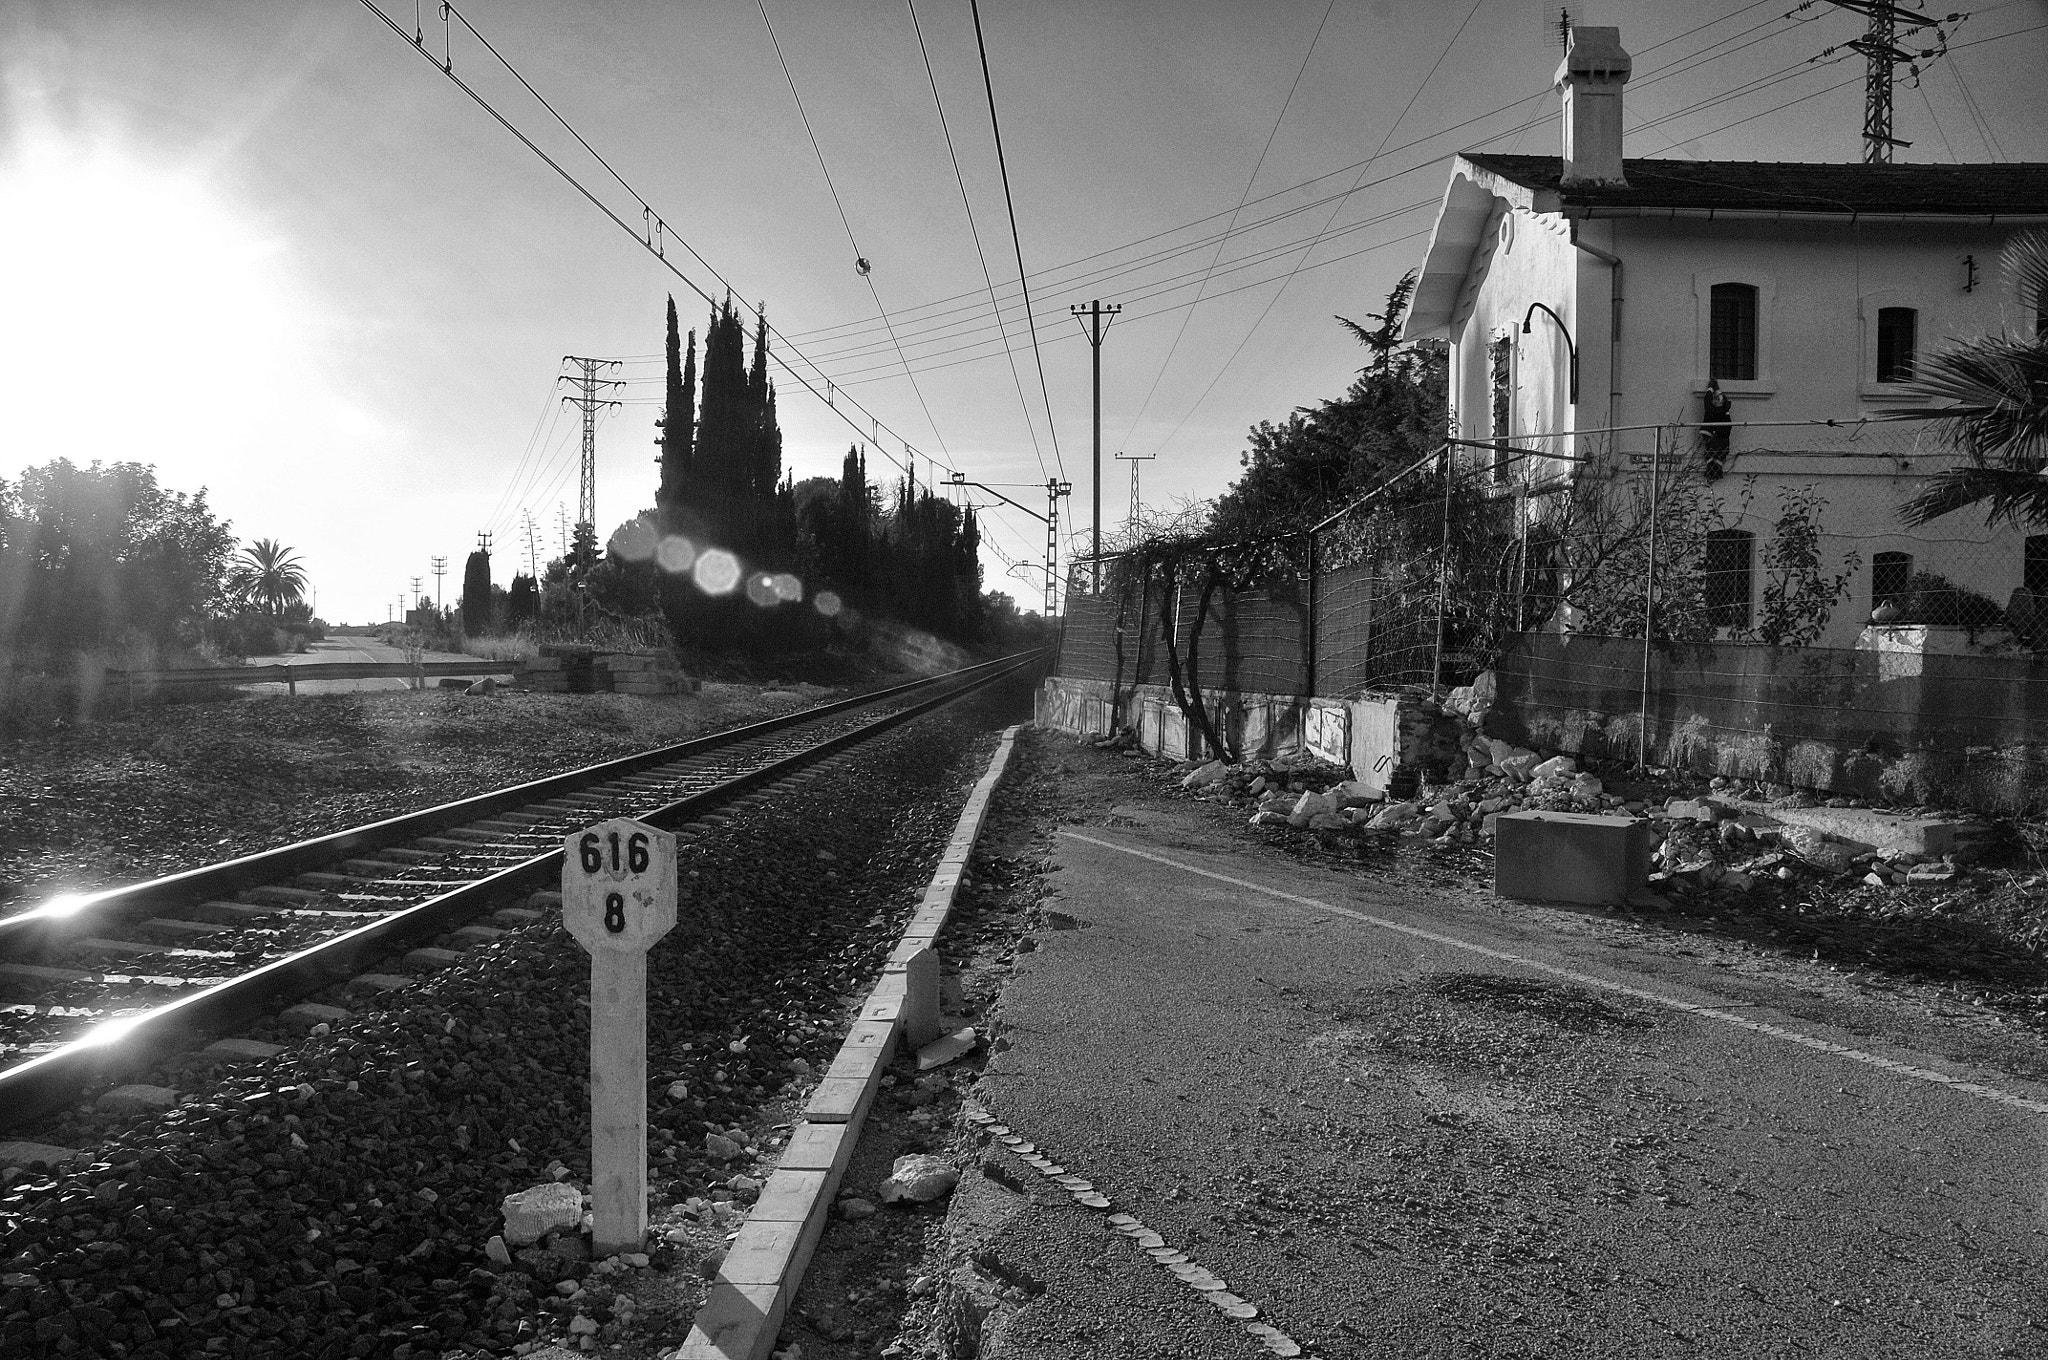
(1820, 285)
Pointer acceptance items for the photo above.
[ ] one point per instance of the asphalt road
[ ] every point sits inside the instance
(1457, 1143)
(350, 648)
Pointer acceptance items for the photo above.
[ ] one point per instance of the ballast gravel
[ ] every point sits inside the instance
(337, 1200)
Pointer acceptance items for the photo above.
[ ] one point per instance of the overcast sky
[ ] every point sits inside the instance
(272, 251)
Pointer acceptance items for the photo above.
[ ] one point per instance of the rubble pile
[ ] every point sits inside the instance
(1719, 839)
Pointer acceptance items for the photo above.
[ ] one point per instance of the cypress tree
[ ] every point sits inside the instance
(476, 593)
(678, 421)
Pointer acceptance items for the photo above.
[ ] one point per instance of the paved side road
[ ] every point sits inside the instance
(348, 648)
(1404, 1124)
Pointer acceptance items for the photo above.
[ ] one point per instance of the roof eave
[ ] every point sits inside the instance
(1462, 217)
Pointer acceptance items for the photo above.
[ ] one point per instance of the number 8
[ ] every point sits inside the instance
(614, 913)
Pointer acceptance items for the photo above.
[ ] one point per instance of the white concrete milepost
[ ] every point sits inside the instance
(618, 898)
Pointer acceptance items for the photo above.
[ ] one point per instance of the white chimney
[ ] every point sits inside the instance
(1592, 74)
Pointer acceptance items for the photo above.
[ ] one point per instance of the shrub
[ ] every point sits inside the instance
(1932, 598)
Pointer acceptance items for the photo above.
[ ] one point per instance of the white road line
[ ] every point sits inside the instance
(1972, 1088)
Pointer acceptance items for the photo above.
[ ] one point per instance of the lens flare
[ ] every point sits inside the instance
(788, 589)
(675, 553)
(827, 602)
(761, 589)
(65, 904)
(717, 572)
(110, 1031)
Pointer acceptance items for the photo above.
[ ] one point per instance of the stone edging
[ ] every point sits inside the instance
(1213, 1289)
(764, 1267)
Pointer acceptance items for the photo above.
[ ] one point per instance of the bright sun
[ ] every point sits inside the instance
(141, 314)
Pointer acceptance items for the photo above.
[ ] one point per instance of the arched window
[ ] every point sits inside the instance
(1731, 334)
(1889, 572)
(1727, 577)
(1897, 332)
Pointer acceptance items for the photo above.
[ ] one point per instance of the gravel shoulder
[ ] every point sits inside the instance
(179, 785)
(336, 1200)
(1394, 1146)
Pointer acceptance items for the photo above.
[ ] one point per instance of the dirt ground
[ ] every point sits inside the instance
(170, 787)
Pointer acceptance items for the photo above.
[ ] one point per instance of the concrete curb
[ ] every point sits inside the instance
(765, 1265)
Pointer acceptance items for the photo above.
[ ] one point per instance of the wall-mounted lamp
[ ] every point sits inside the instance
(1571, 350)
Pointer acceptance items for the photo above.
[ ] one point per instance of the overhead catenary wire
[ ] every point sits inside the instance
(1251, 179)
(874, 426)
(859, 256)
(967, 207)
(1284, 283)
(1050, 275)
(1016, 241)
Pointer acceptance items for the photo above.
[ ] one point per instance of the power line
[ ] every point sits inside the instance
(1246, 193)
(1648, 78)
(987, 277)
(1023, 280)
(1338, 207)
(860, 259)
(653, 223)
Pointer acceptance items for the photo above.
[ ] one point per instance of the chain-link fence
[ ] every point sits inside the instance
(1784, 535)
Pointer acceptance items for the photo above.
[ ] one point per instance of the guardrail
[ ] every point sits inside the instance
(289, 675)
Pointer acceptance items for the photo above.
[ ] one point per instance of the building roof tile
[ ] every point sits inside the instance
(1788, 186)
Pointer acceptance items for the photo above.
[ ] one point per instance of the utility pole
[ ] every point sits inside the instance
(416, 601)
(440, 570)
(1134, 459)
(562, 527)
(588, 403)
(1054, 489)
(1093, 328)
(532, 553)
(1886, 23)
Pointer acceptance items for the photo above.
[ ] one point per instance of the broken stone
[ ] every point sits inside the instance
(1203, 776)
(1930, 875)
(1394, 816)
(855, 1209)
(946, 1048)
(486, 686)
(534, 1212)
(919, 1178)
(1520, 768)
(499, 1253)
(722, 1147)
(1557, 767)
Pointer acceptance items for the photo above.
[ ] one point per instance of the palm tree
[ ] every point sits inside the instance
(1994, 395)
(269, 576)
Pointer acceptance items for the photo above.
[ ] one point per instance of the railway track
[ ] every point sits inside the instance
(105, 984)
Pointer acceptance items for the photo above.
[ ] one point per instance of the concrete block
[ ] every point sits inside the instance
(825, 1148)
(790, 1196)
(857, 1064)
(378, 982)
(840, 1100)
(307, 1014)
(737, 1322)
(26, 1155)
(126, 1100)
(240, 1050)
(920, 1015)
(1570, 857)
(766, 1253)
(888, 1009)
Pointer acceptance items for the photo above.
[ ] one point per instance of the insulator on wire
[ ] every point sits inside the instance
(861, 265)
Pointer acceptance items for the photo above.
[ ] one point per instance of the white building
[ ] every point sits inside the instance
(1586, 293)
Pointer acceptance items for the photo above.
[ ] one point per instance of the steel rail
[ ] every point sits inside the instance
(45, 1083)
(30, 930)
